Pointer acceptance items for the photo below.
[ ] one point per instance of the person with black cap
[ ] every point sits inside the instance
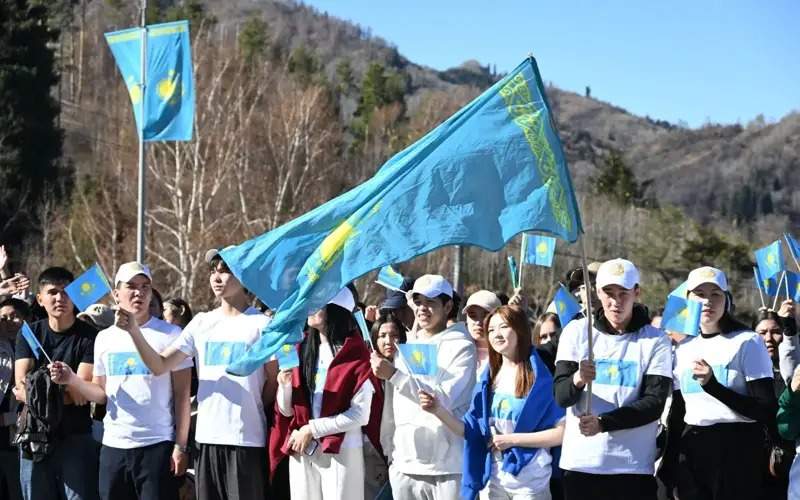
(231, 423)
(722, 402)
(396, 302)
(609, 453)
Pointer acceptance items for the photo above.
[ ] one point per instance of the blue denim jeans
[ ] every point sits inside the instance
(70, 473)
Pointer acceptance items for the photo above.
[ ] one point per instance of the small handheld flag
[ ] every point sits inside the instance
(88, 288)
(769, 286)
(682, 315)
(512, 268)
(33, 342)
(680, 291)
(793, 286)
(420, 358)
(770, 259)
(389, 278)
(566, 306)
(794, 248)
(287, 357)
(540, 250)
(362, 325)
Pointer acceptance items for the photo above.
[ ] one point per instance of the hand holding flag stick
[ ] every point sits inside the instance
(589, 333)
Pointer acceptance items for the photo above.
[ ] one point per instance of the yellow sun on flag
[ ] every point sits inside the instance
(505, 405)
(86, 288)
(684, 312)
(166, 88)
(770, 258)
(613, 371)
(541, 248)
(226, 351)
(130, 362)
(418, 357)
(561, 307)
(287, 348)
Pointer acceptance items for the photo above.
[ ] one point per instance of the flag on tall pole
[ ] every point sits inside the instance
(491, 171)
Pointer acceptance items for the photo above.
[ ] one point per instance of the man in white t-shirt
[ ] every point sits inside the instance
(231, 423)
(146, 426)
(427, 457)
(609, 453)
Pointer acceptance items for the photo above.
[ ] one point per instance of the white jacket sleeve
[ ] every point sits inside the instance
(284, 398)
(789, 355)
(354, 417)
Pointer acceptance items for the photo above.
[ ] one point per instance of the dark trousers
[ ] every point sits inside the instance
(137, 473)
(582, 486)
(230, 472)
(721, 462)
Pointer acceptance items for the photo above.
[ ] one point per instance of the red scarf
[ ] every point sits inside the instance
(349, 369)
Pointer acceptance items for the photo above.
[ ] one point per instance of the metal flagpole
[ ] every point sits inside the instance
(143, 89)
(589, 339)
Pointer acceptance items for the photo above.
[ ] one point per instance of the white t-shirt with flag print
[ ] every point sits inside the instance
(229, 408)
(139, 405)
(735, 358)
(505, 412)
(621, 363)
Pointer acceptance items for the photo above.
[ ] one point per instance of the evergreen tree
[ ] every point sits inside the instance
(617, 182)
(253, 39)
(303, 64)
(30, 141)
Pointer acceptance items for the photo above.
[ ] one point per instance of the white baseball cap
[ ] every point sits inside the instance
(484, 299)
(707, 274)
(431, 286)
(344, 299)
(212, 253)
(127, 271)
(619, 272)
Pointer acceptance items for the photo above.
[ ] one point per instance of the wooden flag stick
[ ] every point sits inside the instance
(589, 337)
(758, 286)
(778, 291)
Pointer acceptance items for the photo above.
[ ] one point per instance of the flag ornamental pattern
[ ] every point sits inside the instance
(168, 101)
(502, 142)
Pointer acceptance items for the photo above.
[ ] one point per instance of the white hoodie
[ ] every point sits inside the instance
(422, 444)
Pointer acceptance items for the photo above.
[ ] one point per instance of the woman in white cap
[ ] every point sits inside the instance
(323, 405)
(722, 402)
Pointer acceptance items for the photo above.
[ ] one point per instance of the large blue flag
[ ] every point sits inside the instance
(492, 170)
(88, 288)
(169, 103)
(540, 250)
(770, 259)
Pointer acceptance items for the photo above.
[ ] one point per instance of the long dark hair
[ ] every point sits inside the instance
(387, 317)
(339, 325)
(518, 321)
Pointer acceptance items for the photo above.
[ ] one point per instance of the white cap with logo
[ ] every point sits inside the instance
(707, 274)
(431, 286)
(618, 272)
(127, 271)
(484, 299)
(344, 299)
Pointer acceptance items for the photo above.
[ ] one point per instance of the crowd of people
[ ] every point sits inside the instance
(119, 402)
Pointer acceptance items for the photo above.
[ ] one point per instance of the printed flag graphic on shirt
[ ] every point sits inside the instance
(682, 315)
(540, 250)
(566, 306)
(126, 363)
(168, 106)
(507, 406)
(389, 278)
(88, 288)
(770, 259)
(491, 171)
(30, 338)
(288, 357)
(223, 353)
(420, 358)
(616, 372)
(689, 384)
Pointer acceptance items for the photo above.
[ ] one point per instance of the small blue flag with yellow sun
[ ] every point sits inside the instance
(420, 358)
(792, 286)
(362, 325)
(88, 288)
(770, 259)
(682, 315)
(389, 278)
(168, 106)
(540, 250)
(33, 342)
(566, 306)
(769, 286)
(288, 357)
